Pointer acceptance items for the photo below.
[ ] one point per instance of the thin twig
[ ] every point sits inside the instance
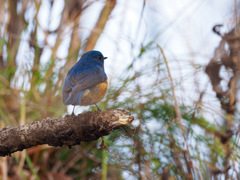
(177, 109)
(100, 25)
(178, 112)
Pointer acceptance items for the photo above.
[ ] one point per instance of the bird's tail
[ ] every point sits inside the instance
(74, 99)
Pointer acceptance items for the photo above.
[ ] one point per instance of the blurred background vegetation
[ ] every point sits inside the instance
(186, 111)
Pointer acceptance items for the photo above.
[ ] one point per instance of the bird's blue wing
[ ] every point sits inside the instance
(76, 82)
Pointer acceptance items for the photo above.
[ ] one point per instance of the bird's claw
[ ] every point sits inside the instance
(103, 146)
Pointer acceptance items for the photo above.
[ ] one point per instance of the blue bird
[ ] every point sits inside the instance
(86, 82)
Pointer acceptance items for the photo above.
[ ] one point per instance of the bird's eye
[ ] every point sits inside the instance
(99, 57)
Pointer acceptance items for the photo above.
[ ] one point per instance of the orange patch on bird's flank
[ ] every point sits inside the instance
(103, 86)
(94, 94)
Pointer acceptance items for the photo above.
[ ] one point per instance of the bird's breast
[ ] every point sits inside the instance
(94, 94)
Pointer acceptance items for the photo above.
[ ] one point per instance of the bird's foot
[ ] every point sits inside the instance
(99, 110)
(102, 145)
(70, 115)
(73, 115)
(73, 111)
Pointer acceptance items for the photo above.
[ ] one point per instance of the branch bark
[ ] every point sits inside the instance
(69, 131)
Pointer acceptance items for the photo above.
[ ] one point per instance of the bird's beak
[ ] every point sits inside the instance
(105, 58)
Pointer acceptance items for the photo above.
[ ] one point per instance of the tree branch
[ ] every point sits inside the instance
(69, 131)
(100, 25)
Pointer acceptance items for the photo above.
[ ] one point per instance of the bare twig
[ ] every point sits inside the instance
(100, 25)
(177, 109)
(179, 117)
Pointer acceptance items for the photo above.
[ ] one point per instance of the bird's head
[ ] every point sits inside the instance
(94, 55)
